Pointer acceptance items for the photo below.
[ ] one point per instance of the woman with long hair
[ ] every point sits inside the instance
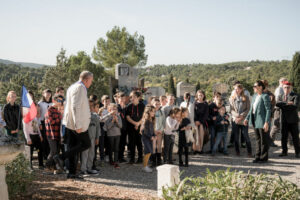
(44, 104)
(239, 108)
(200, 118)
(148, 135)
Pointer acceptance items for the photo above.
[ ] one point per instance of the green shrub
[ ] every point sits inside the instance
(18, 176)
(222, 185)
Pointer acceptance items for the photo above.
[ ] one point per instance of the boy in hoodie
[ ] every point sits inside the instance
(87, 156)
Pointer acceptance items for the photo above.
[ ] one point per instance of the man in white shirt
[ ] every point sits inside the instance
(77, 117)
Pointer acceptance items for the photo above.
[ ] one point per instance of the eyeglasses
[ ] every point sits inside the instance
(254, 86)
(60, 100)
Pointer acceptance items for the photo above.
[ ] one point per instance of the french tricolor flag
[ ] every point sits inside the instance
(28, 107)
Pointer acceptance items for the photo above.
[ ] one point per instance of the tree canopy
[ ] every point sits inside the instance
(120, 47)
(295, 72)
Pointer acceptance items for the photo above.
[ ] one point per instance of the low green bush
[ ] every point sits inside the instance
(227, 185)
(18, 176)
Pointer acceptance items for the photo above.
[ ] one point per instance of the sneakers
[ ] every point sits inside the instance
(74, 176)
(147, 169)
(273, 145)
(92, 171)
(106, 159)
(116, 166)
(58, 161)
(83, 173)
(282, 154)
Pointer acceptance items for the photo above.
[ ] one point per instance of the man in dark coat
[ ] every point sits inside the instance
(289, 103)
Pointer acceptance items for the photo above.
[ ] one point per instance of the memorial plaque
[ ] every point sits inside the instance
(183, 87)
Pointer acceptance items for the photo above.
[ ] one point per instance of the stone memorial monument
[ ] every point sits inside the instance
(127, 77)
(154, 91)
(221, 87)
(183, 87)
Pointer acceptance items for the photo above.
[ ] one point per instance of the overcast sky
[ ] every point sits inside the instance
(176, 32)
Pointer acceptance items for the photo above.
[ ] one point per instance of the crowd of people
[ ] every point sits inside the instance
(93, 131)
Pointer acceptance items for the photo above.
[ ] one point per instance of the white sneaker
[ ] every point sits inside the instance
(92, 171)
(147, 169)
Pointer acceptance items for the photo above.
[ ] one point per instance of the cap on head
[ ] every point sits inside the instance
(287, 83)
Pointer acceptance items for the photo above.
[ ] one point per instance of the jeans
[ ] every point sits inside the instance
(168, 147)
(220, 136)
(114, 148)
(54, 150)
(87, 157)
(236, 129)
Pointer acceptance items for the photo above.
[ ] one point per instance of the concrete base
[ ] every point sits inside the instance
(7, 154)
(3, 186)
(167, 176)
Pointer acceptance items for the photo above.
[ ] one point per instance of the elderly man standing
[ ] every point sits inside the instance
(276, 122)
(77, 117)
(289, 103)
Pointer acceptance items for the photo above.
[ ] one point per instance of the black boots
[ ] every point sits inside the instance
(158, 159)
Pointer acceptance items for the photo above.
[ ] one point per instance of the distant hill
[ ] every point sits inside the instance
(23, 64)
(210, 74)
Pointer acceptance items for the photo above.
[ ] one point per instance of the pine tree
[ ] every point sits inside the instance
(295, 72)
(171, 85)
(198, 86)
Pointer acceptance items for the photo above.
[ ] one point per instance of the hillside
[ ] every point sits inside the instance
(23, 64)
(209, 74)
(7, 71)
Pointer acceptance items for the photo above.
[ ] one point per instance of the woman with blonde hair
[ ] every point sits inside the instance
(239, 108)
(11, 113)
(200, 118)
(148, 135)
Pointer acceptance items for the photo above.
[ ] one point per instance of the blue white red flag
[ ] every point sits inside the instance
(28, 107)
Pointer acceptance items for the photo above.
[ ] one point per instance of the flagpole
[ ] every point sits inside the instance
(20, 108)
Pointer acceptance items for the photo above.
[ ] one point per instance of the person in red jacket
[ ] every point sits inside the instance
(53, 119)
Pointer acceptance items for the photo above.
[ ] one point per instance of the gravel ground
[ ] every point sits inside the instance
(130, 182)
(133, 178)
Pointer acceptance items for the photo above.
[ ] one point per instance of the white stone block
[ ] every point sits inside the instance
(3, 186)
(167, 176)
